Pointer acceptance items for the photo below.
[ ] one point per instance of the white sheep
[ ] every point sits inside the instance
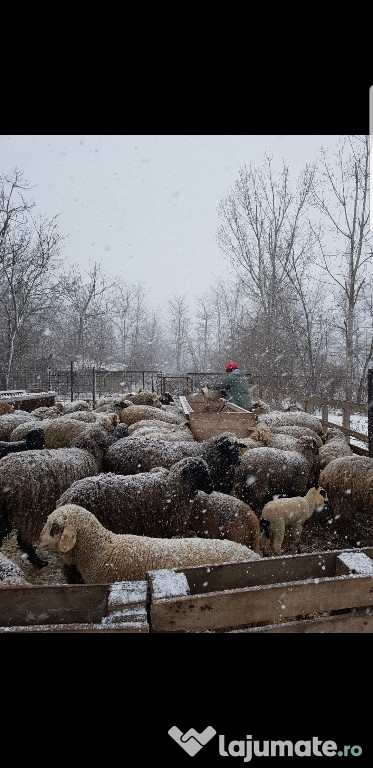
(59, 433)
(297, 418)
(137, 412)
(9, 421)
(267, 472)
(282, 513)
(297, 431)
(154, 503)
(104, 557)
(31, 482)
(334, 447)
(133, 454)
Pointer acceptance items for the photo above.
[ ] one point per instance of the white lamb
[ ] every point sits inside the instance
(103, 557)
(279, 514)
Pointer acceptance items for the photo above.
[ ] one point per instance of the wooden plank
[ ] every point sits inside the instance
(206, 425)
(354, 622)
(269, 570)
(235, 608)
(135, 625)
(64, 604)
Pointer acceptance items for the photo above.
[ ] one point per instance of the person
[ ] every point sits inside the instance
(234, 386)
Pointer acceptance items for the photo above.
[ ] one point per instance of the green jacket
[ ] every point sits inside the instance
(236, 389)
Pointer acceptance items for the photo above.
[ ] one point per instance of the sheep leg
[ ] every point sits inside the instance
(72, 575)
(297, 532)
(34, 558)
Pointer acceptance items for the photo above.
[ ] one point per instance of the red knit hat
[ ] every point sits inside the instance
(231, 366)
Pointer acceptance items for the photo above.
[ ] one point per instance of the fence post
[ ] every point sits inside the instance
(94, 387)
(71, 380)
(49, 379)
(324, 412)
(370, 412)
(346, 419)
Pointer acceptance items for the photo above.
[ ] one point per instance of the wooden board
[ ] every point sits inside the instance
(235, 595)
(206, 425)
(119, 607)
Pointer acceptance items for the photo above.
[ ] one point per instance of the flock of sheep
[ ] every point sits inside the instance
(114, 491)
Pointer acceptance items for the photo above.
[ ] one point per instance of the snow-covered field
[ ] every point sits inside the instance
(358, 422)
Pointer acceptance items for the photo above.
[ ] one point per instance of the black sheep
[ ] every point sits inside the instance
(33, 440)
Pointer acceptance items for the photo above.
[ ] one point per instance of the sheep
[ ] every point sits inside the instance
(120, 431)
(132, 455)
(47, 412)
(10, 421)
(298, 418)
(136, 412)
(31, 482)
(166, 398)
(258, 437)
(348, 481)
(266, 472)
(10, 573)
(76, 405)
(59, 432)
(279, 514)
(176, 434)
(221, 516)
(154, 503)
(298, 431)
(145, 398)
(104, 557)
(6, 407)
(334, 447)
(259, 406)
(33, 440)
(158, 425)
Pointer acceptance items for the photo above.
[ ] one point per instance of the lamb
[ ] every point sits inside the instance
(334, 447)
(31, 482)
(267, 472)
(135, 454)
(103, 557)
(298, 418)
(221, 516)
(33, 440)
(154, 503)
(348, 481)
(279, 514)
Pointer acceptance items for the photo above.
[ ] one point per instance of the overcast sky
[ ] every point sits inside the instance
(145, 206)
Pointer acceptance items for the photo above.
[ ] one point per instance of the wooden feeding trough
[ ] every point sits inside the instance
(209, 418)
(325, 592)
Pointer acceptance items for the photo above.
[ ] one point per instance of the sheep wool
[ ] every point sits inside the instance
(267, 472)
(135, 454)
(288, 418)
(221, 516)
(30, 483)
(103, 557)
(348, 481)
(154, 503)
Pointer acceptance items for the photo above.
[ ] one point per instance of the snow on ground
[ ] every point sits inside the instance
(358, 422)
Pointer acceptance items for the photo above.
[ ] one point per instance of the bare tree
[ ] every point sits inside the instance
(29, 248)
(87, 300)
(341, 194)
(179, 319)
(262, 223)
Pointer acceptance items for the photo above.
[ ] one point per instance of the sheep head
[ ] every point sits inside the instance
(194, 475)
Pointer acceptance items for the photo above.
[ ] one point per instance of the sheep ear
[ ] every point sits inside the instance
(68, 538)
